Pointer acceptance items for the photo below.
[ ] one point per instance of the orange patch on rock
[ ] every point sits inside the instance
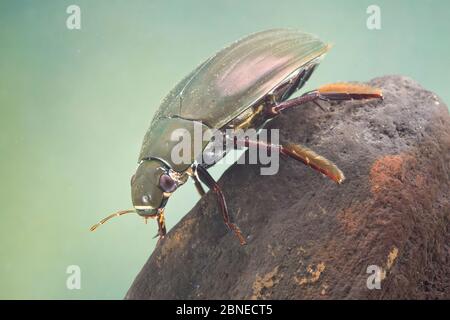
(314, 274)
(268, 281)
(348, 218)
(387, 173)
(420, 181)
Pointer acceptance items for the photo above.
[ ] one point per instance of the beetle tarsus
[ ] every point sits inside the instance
(160, 219)
(348, 91)
(313, 160)
(233, 227)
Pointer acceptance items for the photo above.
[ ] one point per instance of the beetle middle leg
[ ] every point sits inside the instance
(207, 179)
(329, 92)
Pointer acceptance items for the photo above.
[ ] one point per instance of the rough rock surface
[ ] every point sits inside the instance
(309, 238)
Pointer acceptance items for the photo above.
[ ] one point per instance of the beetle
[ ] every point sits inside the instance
(245, 85)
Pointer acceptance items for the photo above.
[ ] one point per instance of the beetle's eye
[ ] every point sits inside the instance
(167, 183)
(146, 199)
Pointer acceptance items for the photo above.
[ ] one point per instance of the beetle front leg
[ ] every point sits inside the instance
(198, 185)
(207, 179)
(329, 92)
(160, 219)
(192, 172)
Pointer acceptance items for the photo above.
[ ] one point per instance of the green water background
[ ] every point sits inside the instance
(75, 105)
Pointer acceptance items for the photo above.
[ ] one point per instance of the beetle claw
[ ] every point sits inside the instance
(234, 228)
(318, 104)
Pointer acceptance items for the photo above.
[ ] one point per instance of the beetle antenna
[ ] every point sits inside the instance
(117, 214)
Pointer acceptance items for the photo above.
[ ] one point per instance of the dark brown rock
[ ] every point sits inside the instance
(312, 239)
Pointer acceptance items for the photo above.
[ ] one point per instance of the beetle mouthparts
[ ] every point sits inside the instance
(117, 214)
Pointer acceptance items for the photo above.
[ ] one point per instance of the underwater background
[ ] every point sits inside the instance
(75, 104)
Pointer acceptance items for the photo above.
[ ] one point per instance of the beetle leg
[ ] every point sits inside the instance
(286, 89)
(207, 179)
(303, 154)
(198, 185)
(329, 92)
(348, 91)
(319, 105)
(192, 172)
(160, 219)
(313, 160)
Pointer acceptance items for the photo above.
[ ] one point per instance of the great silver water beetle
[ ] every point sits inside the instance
(244, 85)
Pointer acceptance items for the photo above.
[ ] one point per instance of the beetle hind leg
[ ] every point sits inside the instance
(303, 154)
(330, 92)
(313, 160)
(342, 91)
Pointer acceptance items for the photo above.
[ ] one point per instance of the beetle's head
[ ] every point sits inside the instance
(151, 186)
